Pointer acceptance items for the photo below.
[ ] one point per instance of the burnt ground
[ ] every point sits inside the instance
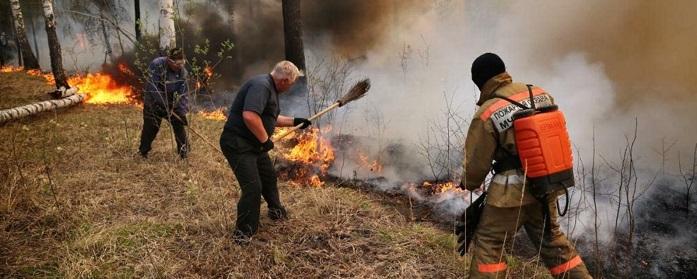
(663, 241)
(666, 235)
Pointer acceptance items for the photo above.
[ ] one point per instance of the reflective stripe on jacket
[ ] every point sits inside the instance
(490, 138)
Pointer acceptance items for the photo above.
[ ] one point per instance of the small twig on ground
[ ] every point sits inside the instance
(47, 169)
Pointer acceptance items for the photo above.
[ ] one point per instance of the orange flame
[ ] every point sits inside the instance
(38, 73)
(124, 69)
(441, 187)
(10, 69)
(315, 181)
(374, 165)
(312, 155)
(312, 149)
(218, 114)
(99, 88)
(208, 73)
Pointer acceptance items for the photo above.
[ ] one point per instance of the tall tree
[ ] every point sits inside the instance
(33, 34)
(136, 3)
(107, 44)
(28, 57)
(168, 38)
(293, 33)
(3, 45)
(54, 47)
(16, 41)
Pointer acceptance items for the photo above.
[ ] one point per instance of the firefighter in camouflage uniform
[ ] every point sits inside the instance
(509, 206)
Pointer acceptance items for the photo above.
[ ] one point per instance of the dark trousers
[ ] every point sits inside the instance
(152, 118)
(256, 176)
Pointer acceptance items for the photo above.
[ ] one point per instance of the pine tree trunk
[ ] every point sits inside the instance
(28, 57)
(16, 41)
(168, 38)
(136, 3)
(292, 28)
(107, 44)
(33, 34)
(54, 46)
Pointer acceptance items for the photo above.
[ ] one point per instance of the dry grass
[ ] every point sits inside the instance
(19, 89)
(75, 202)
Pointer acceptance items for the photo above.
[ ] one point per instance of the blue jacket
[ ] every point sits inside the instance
(165, 88)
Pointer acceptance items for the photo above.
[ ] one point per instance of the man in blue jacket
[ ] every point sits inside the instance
(165, 96)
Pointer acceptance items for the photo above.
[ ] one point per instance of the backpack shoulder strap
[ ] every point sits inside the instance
(518, 104)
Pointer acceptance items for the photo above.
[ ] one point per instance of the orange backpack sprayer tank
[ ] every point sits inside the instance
(543, 146)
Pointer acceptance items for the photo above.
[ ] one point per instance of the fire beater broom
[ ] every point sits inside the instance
(357, 91)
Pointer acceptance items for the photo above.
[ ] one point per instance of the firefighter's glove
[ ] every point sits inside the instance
(297, 121)
(462, 240)
(267, 145)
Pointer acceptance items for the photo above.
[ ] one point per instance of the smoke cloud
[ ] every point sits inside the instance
(610, 66)
(355, 27)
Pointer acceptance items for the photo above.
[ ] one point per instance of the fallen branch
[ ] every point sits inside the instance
(35, 108)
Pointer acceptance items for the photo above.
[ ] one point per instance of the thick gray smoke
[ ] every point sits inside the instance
(608, 65)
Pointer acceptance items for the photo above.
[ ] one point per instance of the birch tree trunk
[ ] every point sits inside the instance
(23, 111)
(168, 38)
(28, 57)
(54, 46)
(20, 62)
(293, 33)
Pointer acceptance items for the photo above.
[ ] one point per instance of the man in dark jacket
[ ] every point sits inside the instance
(165, 96)
(246, 140)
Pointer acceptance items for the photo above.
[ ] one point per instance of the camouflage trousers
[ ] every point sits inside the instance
(497, 228)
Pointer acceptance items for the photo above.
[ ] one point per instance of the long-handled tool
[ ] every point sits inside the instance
(198, 134)
(357, 91)
(205, 140)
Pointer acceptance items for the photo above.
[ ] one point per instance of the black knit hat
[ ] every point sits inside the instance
(485, 67)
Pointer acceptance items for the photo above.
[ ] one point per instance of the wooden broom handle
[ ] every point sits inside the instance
(204, 139)
(198, 134)
(324, 111)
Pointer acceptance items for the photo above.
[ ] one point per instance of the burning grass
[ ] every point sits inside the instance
(306, 157)
(218, 114)
(99, 88)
